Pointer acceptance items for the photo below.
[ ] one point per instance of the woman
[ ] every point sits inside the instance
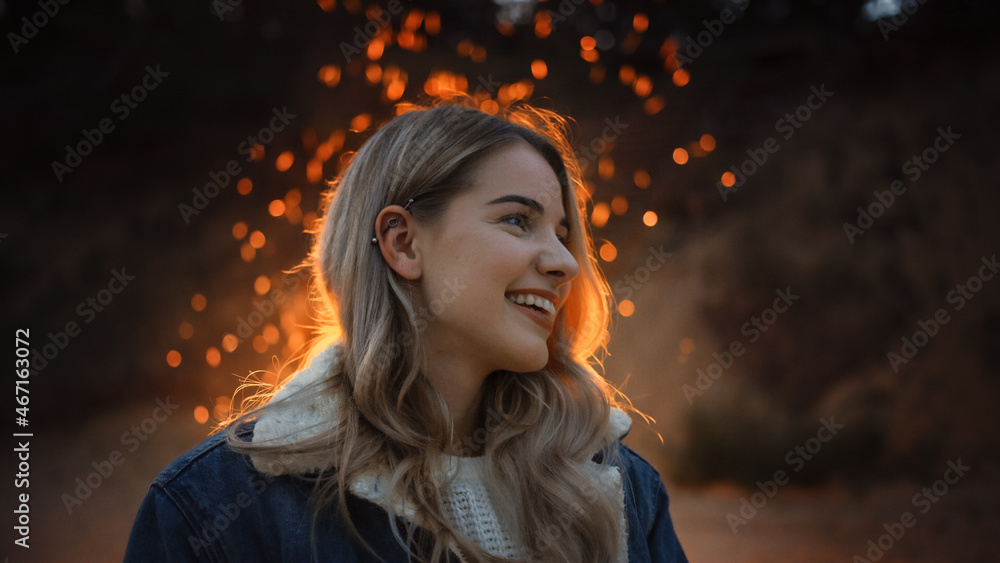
(456, 415)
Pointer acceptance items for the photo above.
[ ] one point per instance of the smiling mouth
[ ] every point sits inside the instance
(534, 302)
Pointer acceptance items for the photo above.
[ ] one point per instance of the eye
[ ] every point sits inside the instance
(519, 220)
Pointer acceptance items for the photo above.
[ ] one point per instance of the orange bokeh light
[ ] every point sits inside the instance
(213, 356)
(539, 69)
(244, 186)
(681, 77)
(239, 230)
(276, 208)
(649, 218)
(185, 330)
(173, 358)
(608, 252)
(198, 302)
(680, 156)
(707, 142)
(619, 205)
(728, 179)
(626, 308)
(641, 179)
(200, 414)
(257, 239)
(599, 217)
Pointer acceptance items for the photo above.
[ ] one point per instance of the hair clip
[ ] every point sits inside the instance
(394, 222)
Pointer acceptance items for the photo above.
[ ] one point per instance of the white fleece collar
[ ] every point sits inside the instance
(317, 414)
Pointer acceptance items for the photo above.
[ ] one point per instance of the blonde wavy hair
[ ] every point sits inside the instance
(546, 424)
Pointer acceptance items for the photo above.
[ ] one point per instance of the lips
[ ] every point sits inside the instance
(537, 304)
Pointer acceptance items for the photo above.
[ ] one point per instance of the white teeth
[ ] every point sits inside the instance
(536, 300)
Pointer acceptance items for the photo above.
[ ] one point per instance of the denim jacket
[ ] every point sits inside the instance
(213, 504)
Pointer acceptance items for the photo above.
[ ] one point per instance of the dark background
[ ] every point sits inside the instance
(893, 87)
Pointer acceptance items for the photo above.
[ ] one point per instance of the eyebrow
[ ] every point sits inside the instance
(528, 202)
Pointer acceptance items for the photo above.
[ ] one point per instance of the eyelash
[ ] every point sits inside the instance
(523, 220)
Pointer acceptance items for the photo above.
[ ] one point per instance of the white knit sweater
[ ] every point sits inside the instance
(468, 502)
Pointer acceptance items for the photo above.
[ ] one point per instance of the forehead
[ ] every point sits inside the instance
(517, 169)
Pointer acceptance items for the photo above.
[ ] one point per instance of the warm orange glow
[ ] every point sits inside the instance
(588, 43)
(464, 48)
(681, 77)
(506, 29)
(707, 142)
(626, 74)
(599, 217)
(221, 410)
(201, 414)
(244, 186)
(262, 284)
(680, 156)
(606, 168)
(230, 342)
(626, 308)
(686, 346)
(654, 105)
(309, 221)
(284, 161)
(257, 152)
(185, 330)
(619, 205)
(239, 230)
(353, 6)
(432, 23)
(608, 252)
(373, 73)
(259, 344)
(649, 218)
(590, 56)
(478, 54)
(543, 24)
(198, 302)
(640, 22)
(257, 239)
(375, 49)
(694, 149)
(597, 73)
(728, 179)
(271, 334)
(327, 5)
(293, 197)
(314, 171)
(329, 75)
(294, 215)
(413, 19)
(361, 122)
(539, 69)
(489, 106)
(247, 252)
(641, 179)
(642, 86)
(444, 84)
(213, 356)
(173, 358)
(395, 89)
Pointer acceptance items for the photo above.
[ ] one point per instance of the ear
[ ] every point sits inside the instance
(395, 231)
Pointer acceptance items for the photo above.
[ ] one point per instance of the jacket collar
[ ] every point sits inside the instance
(288, 422)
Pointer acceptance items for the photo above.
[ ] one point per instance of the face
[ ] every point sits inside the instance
(495, 267)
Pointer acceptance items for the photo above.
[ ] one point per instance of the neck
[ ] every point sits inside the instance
(461, 385)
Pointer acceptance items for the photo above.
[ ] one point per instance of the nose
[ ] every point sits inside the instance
(557, 262)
